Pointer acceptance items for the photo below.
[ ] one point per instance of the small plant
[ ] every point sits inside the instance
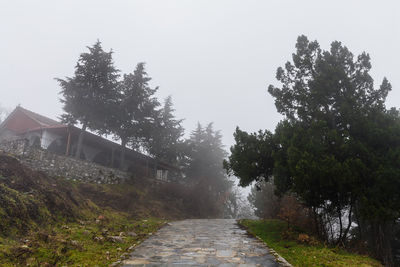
(308, 240)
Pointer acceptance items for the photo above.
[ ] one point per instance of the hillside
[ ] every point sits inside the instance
(51, 221)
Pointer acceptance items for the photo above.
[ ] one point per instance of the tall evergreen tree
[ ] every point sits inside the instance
(338, 147)
(133, 114)
(165, 142)
(88, 95)
(204, 166)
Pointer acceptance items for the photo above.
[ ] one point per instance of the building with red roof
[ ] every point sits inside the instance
(62, 139)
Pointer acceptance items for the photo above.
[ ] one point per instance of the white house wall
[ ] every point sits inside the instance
(48, 138)
(32, 136)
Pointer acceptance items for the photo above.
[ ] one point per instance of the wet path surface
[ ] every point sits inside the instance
(216, 242)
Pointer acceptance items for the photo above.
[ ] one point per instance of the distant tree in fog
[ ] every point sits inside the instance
(203, 169)
(87, 97)
(165, 141)
(262, 197)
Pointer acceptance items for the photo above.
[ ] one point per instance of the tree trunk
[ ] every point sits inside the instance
(80, 141)
(314, 211)
(340, 225)
(346, 231)
(68, 142)
(331, 233)
(359, 223)
(383, 248)
(122, 160)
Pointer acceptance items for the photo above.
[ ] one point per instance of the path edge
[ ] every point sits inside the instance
(281, 260)
(125, 256)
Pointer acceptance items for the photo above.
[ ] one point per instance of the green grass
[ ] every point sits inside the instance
(74, 244)
(302, 255)
(51, 221)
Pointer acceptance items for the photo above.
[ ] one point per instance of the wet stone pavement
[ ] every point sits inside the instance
(216, 242)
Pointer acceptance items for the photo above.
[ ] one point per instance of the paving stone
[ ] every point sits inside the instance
(225, 253)
(227, 265)
(216, 242)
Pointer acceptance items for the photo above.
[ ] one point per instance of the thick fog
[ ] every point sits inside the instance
(216, 58)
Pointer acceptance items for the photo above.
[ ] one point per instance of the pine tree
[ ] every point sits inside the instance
(89, 94)
(204, 166)
(338, 147)
(165, 142)
(133, 113)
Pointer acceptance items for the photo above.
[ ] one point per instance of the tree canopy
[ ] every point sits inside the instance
(165, 142)
(203, 168)
(87, 96)
(132, 116)
(126, 107)
(338, 148)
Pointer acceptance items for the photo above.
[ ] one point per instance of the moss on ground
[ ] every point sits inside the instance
(49, 221)
(314, 253)
(95, 242)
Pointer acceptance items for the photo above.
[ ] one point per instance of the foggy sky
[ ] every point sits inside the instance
(216, 58)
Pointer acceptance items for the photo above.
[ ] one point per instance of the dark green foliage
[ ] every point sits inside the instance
(165, 142)
(338, 148)
(251, 157)
(126, 108)
(88, 95)
(132, 114)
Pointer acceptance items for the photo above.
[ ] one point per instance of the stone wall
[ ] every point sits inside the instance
(67, 167)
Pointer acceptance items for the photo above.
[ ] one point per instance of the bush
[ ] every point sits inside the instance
(295, 214)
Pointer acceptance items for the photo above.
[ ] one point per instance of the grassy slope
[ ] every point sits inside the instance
(47, 221)
(77, 244)
(302, 255)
